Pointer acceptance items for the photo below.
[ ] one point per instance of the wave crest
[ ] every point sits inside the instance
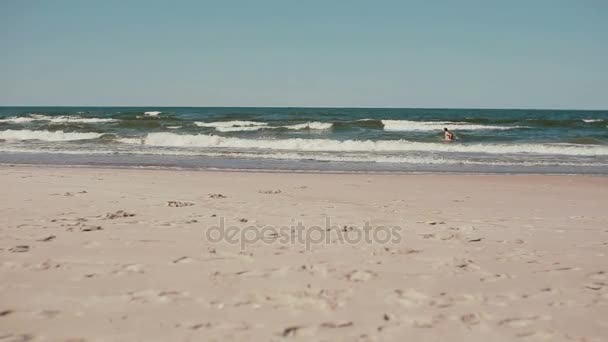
(55, 119)
(329, 145)
(26, 134)
(311, 125)
(409, 125)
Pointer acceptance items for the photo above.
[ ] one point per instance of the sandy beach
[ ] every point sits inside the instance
(163, 255)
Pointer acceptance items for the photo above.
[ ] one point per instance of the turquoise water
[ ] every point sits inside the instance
(361, 139)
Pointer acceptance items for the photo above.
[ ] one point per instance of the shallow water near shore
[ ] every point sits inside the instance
(338, 139)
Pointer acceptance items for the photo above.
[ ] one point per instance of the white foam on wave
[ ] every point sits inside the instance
(311, 125)
(328, 145)
(55, 119)
(152, 113)
(280, 155)
(228, 124)
(592, 120)
(409, 125)
(17, 119)
(233, 126)
(244, 126)
(26, 134)
(239, 129)
(131, 141)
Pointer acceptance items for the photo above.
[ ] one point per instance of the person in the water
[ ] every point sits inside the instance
(447, 135)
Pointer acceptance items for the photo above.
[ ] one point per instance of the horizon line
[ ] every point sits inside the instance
(309, 107)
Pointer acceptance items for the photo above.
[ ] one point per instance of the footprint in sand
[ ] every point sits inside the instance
(90, 228)
(443, 236)
(270, 192)
(360, 276)
(470, 319)
(411, 298)
(179, 204)
(598, 281)
(320, 300)
(491, 278)
(424, 322)
(117, 214)
(47, 264)
(155, 296)
(20, 249)
(521, 322)
(129, 269)
(318, 270)
(48, 313)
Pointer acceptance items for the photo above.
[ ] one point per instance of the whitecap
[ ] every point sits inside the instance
(330, 145)
(409, 125)
(310, 125)
(55, 119)
(47, 135)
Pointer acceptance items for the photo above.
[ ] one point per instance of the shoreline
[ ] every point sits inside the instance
(294, 171)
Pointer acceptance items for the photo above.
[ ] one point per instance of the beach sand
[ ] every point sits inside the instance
(125, 255)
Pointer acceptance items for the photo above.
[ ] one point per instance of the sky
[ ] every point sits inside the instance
(315, 53)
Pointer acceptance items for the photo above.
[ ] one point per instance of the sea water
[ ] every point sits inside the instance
(331, 139)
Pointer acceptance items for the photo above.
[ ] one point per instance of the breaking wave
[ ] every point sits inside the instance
(329, 145)
(408, 125)
(311, 125)
(55, 119)
(11, 134)
(243, 126)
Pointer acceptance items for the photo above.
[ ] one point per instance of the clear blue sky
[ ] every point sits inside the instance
(497, 54)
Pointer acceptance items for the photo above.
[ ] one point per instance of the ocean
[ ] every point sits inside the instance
(308, 139)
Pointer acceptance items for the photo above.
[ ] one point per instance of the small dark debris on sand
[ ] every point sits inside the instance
(341, 324)
(118, 214)
(290, 331)
(216, 196)
(20, 249)
(6, 312)
(200, 325)
(90, 228)
(432, 223)
(244, 220)
(270, 192)
(181, 259)
(48, 238)
(179, 204)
